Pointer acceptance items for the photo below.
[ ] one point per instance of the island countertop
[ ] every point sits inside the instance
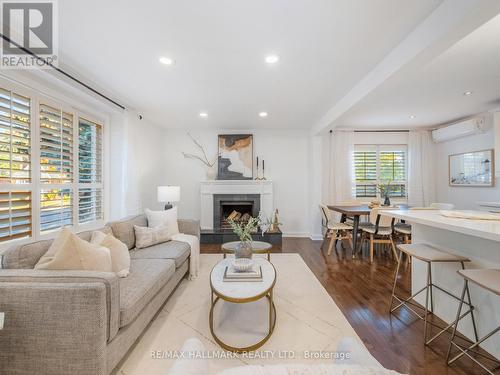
(487, 229)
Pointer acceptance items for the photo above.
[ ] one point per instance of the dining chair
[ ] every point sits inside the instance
(333, 230)
(379, 231)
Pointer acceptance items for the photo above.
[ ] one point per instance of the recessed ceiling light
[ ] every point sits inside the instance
(272, 59)
(263, 114)
(166, 60)
(412, 116)
(467, 93)
(203, 114)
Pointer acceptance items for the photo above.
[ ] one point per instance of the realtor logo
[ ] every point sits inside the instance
(29, 31)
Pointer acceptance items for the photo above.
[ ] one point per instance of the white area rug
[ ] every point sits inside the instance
(307, 321)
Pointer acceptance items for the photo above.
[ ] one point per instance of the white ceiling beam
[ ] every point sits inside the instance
(446, 25)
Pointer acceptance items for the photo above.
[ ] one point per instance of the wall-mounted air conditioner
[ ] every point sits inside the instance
(460, 129)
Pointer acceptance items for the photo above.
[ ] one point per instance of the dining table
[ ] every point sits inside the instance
(353, 212)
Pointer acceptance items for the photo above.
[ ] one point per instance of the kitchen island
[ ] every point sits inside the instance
(478, 240)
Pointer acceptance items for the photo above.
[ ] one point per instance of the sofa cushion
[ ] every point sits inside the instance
(27, 255)
(175, 250)
(146, 278)
(124, 229)
(70, 252)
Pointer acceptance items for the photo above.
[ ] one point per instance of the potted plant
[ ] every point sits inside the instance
(244, 233)
(385, 191)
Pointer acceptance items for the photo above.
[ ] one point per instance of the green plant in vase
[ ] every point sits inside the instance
(385, 190)
(244, 233)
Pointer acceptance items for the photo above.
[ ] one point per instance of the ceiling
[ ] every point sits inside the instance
(434, 92)
(325, 48)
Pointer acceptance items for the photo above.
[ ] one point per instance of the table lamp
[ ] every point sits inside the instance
(168, 194)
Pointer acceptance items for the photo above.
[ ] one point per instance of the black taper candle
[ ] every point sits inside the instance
(263, 167)
(257, 162)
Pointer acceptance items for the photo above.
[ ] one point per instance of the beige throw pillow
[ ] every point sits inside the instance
(167, 218)
(69, 252)
(120, 257)
(145, 237)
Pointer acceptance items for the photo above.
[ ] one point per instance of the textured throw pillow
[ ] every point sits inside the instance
(167, 218)
(69, 252)
(120, 257)
(145, 237)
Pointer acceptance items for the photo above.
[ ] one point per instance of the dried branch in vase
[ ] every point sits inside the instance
(203, 158)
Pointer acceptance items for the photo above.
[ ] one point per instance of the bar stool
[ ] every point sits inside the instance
(429, 254)
(488, 279)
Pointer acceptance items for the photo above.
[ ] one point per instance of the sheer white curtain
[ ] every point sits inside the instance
(421, 177)
(341, 167)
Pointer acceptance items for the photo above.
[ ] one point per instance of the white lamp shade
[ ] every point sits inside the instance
(169, 194)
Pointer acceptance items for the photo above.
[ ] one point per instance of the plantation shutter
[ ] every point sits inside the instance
(56, 209)
(15, 165)
(15, 142)
(90, 202)
(393, 169)
(365, 168)
(15, 214)
(56, 145)
(56, 168)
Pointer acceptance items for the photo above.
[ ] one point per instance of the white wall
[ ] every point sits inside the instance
(286, 154)
(137, 160)
(464, 197)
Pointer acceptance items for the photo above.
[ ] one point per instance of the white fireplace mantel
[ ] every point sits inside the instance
(209, 188)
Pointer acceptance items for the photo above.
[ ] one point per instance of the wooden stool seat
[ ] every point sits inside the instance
(383, 231)
(402, 228)
(339, 226)
(430, 253)
(488, 279)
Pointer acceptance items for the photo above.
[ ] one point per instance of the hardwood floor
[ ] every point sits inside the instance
(362, 291)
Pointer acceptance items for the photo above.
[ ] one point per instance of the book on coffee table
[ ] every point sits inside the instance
(255, 274)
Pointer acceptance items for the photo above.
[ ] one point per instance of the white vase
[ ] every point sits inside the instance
(211, 174)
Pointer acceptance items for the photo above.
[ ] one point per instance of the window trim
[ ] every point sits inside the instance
(37, 97)
(378, 148)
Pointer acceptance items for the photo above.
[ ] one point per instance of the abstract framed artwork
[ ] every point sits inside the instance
(235, 157)
(473, 169)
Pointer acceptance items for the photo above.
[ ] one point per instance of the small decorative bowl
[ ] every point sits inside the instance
(242, 264)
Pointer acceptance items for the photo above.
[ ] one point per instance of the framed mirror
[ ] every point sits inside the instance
(472, 169)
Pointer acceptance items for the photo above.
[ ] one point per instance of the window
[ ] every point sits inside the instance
(62, 184)
(89, 171)
(376, 164)
(15, 165)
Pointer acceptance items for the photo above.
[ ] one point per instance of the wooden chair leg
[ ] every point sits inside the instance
(349, 237)
(371, 248)
(333, 239)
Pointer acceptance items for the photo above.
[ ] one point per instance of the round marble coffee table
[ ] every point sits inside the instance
(243, 292)
(258, 247)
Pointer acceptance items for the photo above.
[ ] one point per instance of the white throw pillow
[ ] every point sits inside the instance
(167, 218)
(120, 257)
(145, 237)
(70, 252)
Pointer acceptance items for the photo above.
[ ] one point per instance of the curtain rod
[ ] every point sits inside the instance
(26, 50)
(381, 131)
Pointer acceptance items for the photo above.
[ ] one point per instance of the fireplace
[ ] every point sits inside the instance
(238, 207)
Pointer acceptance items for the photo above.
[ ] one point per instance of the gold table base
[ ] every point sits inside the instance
(272, 320)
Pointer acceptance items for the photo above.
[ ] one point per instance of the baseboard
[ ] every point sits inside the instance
(296, 234)
(316, 237)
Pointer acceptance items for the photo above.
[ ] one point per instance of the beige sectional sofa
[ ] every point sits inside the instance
(81, 322)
